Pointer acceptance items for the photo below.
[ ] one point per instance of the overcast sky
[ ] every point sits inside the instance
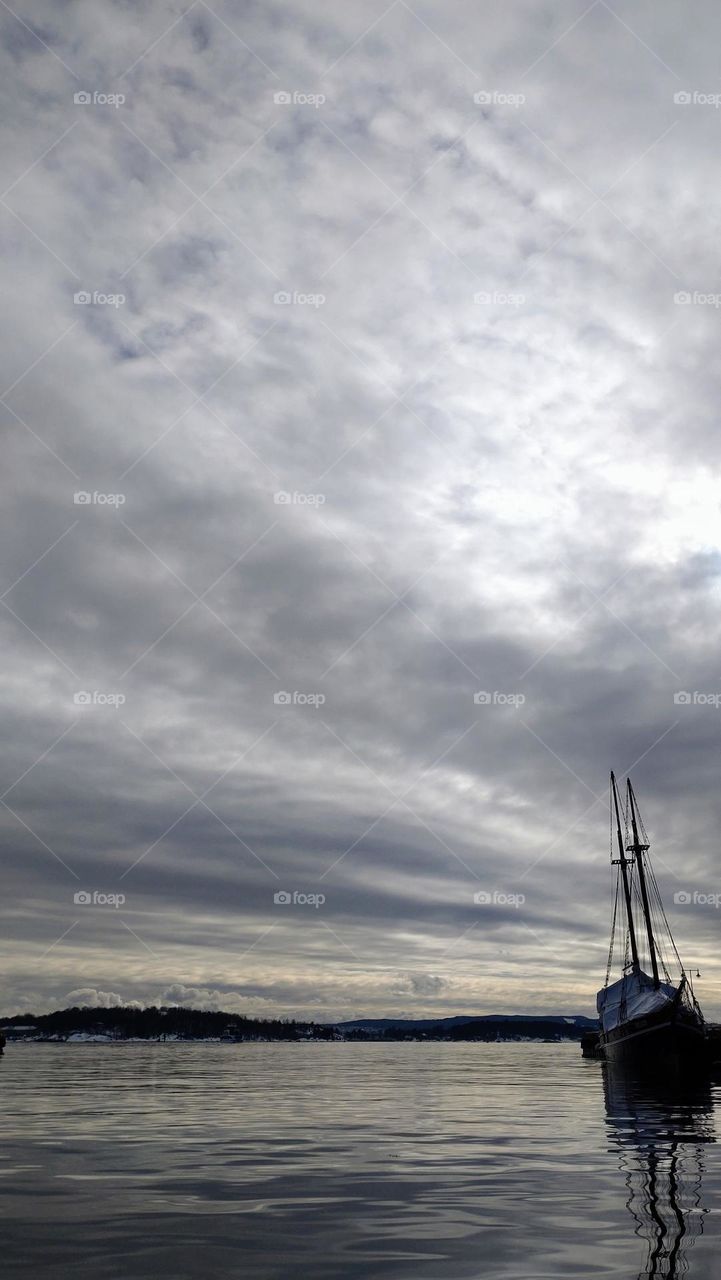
(398, 384)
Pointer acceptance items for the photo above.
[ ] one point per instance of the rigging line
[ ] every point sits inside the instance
(660, 948)
(668, 927)
(659, 934)
(638, 904)
(613, 922)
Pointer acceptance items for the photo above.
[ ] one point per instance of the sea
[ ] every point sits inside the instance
(397, 1161)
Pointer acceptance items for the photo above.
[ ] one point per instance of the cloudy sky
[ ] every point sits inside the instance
(365, 355)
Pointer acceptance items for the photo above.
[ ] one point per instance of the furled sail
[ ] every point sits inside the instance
(633, 996)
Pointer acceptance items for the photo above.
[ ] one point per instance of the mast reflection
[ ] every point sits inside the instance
(660, 1133)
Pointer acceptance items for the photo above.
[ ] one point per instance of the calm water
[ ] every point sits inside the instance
(402, 1161)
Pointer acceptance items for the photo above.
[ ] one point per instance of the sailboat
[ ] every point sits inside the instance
(646, 1019)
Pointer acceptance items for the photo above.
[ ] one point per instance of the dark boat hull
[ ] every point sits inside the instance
(670, 1038)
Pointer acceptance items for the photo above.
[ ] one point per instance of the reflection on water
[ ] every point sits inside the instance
(348, 1162)
(661, 1136)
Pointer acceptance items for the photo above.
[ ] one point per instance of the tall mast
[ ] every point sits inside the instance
(639, 850)
(623, 860)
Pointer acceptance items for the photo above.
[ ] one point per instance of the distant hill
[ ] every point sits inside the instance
(424, 1024)
(520, 1028)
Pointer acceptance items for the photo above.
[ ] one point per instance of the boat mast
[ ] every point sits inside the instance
(624, 863)
(638, 851)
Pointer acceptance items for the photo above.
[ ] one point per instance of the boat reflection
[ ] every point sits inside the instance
(660, 1134)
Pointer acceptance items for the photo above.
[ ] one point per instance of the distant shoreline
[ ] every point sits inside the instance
(129, 1025)
(170, 1041)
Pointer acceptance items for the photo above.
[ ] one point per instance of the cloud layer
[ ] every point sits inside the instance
(397, 384)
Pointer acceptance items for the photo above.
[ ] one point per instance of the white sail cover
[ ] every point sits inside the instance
(633, 996)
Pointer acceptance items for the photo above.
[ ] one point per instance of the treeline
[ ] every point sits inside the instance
(127, 1022)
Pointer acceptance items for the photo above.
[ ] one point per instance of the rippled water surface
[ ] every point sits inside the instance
(422, 1161)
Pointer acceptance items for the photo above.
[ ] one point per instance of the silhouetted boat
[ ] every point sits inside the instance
(646, 1019)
